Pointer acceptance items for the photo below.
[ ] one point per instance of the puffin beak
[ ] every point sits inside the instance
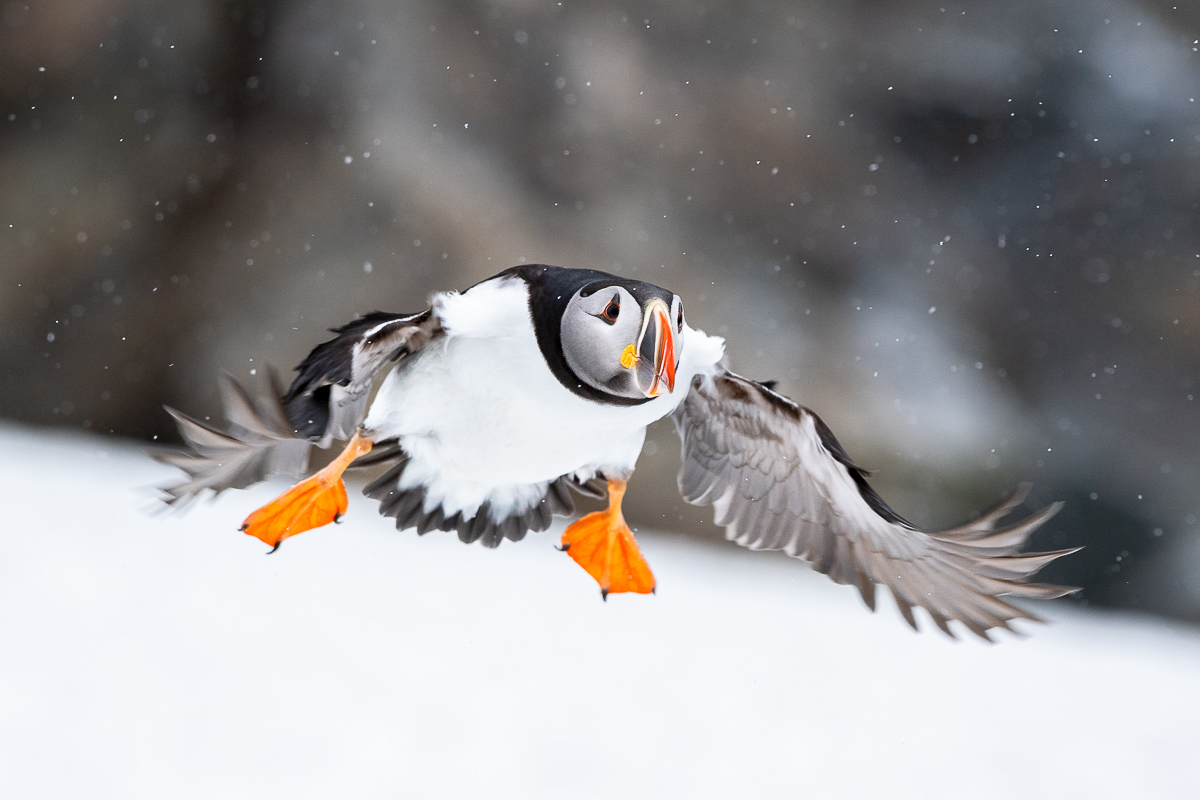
(655, 362)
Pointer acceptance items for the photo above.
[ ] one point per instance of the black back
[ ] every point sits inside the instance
(550, 290)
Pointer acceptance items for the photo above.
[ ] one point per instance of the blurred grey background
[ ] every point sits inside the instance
(964, 233)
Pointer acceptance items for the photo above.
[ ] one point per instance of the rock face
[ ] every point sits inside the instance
(966, 237)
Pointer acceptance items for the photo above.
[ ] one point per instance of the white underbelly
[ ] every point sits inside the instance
(485, 419)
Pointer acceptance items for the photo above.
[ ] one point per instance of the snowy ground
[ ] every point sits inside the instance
(151, 656)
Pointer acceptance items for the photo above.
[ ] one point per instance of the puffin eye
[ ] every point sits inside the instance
(679, 320)
(612, 310)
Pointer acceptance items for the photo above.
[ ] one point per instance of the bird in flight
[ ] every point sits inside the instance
(539, 383)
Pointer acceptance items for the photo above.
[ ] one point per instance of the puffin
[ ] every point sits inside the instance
(494, 406)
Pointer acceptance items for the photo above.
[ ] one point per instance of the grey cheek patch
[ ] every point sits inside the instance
(620, 384)
(583, 343)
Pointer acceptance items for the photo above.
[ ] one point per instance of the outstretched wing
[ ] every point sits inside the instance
(779, 480)
(270, 434)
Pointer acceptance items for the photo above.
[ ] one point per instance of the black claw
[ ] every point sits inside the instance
(654, 590)
(337, 520)
(244, 526)
(604, 595)
(276, 547)
(564, 548)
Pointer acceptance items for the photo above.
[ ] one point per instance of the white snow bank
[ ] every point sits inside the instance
(167, 657)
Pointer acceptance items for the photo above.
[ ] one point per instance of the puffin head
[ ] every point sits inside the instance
(624, 338)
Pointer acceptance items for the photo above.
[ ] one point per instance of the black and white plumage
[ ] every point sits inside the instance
(535, 383)
(328, 399)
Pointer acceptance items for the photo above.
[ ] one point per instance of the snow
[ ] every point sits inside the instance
(151, 655)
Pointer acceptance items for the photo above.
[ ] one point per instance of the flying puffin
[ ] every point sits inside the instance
(540, 382)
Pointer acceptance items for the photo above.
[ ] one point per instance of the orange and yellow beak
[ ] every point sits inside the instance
(652, 358)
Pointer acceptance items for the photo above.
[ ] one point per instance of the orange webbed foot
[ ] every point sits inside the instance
(309, 504)
(603, 545)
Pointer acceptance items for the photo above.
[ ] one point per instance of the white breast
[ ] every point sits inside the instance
(483, 418)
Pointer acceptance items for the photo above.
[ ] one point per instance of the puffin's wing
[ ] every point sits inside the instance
(779, 480)
(328, 399)
(258, 445)
(270, 434)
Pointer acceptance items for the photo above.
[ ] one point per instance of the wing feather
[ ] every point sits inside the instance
(778, 479)
(270, 433)
(259, 445)
(328, 398)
